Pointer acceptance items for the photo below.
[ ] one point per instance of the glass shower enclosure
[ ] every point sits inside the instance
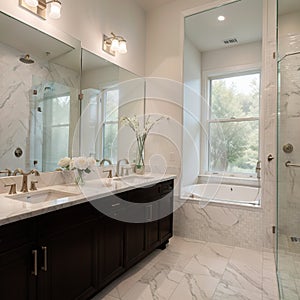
(288, 158)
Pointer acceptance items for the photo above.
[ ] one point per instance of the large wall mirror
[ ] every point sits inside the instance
(41, 80)
(222, 68)
(108, 93)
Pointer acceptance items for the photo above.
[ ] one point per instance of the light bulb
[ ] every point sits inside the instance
(114, 45)
(55, 8)
(123, 47)
(32, 3)
(221, 18)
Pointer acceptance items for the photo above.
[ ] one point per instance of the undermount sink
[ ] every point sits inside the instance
(133, 179)
(42, 196)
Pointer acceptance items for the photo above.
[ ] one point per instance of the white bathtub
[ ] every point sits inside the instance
(222, 193)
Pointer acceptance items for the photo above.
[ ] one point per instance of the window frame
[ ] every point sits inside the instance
(48, 126)
(104, 122)
(207, 76)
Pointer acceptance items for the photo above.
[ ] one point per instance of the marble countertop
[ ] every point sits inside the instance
(12, 210)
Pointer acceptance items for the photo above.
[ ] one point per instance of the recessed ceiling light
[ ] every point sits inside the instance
(221, 18)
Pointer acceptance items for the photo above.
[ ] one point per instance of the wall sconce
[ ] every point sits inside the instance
(114, 44)
(39, 7)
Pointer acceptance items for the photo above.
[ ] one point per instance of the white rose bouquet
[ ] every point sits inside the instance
(64, 163)
(80, 164)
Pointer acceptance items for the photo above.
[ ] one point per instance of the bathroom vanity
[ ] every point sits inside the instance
(73, 252)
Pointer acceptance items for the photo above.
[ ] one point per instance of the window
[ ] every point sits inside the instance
(110, 124)
(233, 123)
(55, 128)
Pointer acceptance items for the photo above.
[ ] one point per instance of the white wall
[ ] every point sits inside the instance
(232, 57)
(191, 114)
(88, 20)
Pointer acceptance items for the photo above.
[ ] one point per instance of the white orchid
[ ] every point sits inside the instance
(141, 133)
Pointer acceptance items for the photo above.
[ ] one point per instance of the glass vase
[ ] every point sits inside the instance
(79, 180)
(140, 162)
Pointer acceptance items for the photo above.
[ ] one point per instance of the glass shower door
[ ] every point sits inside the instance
(288, 233)
(288, 150)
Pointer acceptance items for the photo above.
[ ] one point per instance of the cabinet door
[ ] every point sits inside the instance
(152, 234)
(135, 242)
(68, 263)
(16, 279)
(152, 225)
(110, 247)
(166, 217)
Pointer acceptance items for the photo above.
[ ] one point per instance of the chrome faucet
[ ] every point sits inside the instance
(118, 166)
(24, 187)
(258, 169)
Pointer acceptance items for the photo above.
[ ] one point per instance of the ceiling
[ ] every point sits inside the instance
(243, 22)
(92, 61)
(287, 6)
(27, 39)
(151, 4)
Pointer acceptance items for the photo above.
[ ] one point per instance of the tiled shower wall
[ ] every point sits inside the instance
(15, 91)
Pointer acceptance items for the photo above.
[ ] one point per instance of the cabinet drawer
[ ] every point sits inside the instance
(146, 194)
(16, 234)
(166, 186)
(109, 205)
(66, 218)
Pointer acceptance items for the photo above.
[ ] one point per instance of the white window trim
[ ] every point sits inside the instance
(103, 112)
(205, 91)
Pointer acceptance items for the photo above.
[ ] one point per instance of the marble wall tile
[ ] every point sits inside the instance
(16, 86)
(229, 225)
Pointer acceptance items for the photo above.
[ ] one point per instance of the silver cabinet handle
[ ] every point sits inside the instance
(289, 164)
(149, 214)
(35, 270)
(45, 266)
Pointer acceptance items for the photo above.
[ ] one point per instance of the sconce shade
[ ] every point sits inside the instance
(55, 10)
(115, 45)
(122, 47)
(42, 8)
(32, 3)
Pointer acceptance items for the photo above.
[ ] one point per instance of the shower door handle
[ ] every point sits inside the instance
(289, 164)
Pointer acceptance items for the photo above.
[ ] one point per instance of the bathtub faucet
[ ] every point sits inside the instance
(258, 169)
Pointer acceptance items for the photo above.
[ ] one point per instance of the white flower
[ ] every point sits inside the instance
(80, 163)
(64, 162)
(91, 162)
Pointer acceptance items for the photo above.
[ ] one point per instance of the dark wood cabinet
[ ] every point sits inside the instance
(135, 243)
(110, 250)
(18, 256)
(72, 253)
(67, 261)
(16, 279)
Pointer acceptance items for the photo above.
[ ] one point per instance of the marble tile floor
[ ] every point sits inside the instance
(190, 269)
(289, 268)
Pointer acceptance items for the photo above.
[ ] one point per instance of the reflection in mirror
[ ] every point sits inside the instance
(109, 92)
(39, 107)
(222, 67)
(288, 27)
